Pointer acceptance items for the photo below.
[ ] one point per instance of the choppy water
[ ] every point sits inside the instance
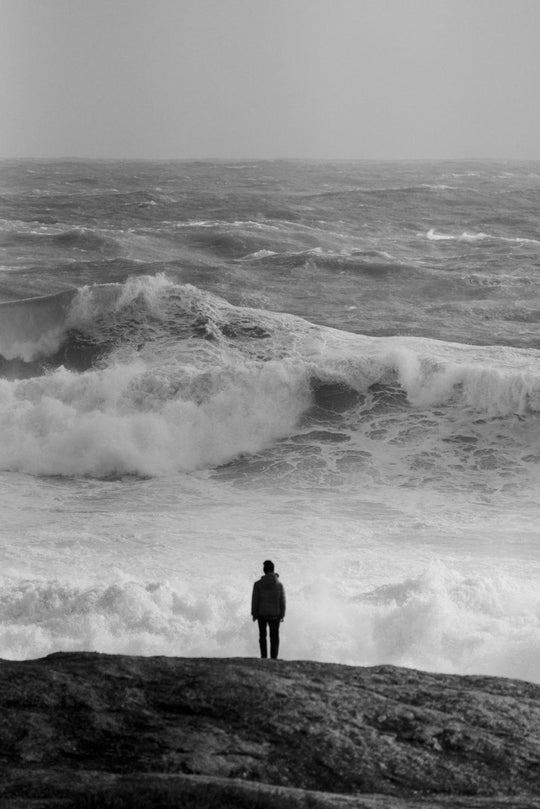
(332, 365)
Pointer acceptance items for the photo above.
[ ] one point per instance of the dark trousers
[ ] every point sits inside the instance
(273, 626)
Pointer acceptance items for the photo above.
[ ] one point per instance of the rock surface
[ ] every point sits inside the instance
(390, 737)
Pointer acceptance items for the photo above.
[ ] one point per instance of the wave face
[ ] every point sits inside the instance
(33, 328)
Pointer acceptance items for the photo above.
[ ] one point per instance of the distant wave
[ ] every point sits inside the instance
(83, 239)
(240, 224)
(357, 261)
(465, 236)
(86, 239)
(237, 239)
(383, 191)
(439, 187)
(261, 254)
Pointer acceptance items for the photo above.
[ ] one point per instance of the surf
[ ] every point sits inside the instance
(438, 619)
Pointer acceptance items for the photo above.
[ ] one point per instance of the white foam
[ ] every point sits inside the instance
(439, 187)
(259, 254)
(465, 236)
(439, 620)
(129, 419)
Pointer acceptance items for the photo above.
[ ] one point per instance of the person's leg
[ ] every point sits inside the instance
(273, 623)
(262, 636)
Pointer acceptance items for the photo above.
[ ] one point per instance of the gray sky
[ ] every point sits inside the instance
(270, 78)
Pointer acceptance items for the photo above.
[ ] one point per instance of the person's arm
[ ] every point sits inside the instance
(282, 603)
(255, 602)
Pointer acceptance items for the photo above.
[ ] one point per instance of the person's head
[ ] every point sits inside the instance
(268, 566)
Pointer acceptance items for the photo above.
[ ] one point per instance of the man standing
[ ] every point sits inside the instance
(268, 608)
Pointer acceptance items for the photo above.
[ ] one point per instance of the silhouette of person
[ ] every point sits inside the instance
(268, 608)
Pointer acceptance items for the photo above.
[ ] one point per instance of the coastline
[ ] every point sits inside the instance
(80, 725)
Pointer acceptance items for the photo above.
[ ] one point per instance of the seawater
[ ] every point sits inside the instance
(333, 365)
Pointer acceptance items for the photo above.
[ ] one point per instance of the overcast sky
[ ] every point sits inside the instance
(270, 78)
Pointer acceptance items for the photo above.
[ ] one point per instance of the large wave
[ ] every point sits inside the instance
(150, 377)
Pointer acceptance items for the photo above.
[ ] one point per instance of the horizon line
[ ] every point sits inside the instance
(210, 159)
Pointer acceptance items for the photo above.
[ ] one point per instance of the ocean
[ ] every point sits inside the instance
(334, 365)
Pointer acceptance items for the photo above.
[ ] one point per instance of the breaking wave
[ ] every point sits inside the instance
(128, 419)
(152, 377)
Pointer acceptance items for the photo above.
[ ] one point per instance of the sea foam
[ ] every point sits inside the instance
(438, 620)
(128, 420)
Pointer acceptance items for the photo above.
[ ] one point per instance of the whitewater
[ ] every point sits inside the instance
(333, 365)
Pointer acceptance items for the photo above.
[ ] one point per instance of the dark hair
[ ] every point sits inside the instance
(268, 566)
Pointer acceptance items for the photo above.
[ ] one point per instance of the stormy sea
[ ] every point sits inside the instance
(332, 365)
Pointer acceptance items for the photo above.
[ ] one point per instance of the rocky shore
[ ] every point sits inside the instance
(94, 730)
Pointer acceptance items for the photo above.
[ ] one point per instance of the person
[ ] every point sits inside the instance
(268, 608)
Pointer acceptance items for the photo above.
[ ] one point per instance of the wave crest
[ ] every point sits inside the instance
(465, 236)
(150, 377)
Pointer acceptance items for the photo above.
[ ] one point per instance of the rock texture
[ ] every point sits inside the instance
(376, 737)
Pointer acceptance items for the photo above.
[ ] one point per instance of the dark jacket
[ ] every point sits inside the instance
(268, 599)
